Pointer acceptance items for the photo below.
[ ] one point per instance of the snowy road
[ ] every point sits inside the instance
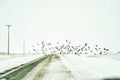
(70, 67)
(50, 69)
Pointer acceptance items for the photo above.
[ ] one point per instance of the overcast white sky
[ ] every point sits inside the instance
(92, 21)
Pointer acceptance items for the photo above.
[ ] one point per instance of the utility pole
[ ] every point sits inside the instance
(43, 46)
(23, 48)
(8, 38)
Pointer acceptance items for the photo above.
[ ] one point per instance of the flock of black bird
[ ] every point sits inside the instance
(67, 48)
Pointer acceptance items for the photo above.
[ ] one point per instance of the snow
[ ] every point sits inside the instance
(4, 57)
(7, 62)
(56, 71)
(82, 67)
(99, 67)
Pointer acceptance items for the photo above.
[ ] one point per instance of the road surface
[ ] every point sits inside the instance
(50, 69)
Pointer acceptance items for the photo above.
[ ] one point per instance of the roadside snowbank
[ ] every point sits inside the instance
(94, 68)
(12, 61)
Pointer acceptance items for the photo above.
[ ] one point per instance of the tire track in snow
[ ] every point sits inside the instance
(19, 72)
(33, 74)
(57, 71)
(50, 69)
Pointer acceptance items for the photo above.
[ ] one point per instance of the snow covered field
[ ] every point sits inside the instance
(93, 68)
